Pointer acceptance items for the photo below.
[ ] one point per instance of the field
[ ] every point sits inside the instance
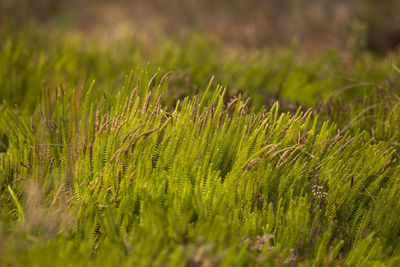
(191, 152)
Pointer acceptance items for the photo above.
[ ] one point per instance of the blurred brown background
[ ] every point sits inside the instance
(370, 24)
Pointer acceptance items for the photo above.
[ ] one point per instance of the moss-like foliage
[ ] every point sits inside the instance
(93, 173)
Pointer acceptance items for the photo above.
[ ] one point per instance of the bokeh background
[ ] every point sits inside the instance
(358, 24)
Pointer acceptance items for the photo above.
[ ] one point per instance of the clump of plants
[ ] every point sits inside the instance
(127, 173)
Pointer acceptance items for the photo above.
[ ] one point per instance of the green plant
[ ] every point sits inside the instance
(129, 173)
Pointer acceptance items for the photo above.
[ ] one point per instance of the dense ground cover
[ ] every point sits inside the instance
(117, 154)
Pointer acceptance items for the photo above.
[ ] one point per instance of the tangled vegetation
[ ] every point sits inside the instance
(289, 162)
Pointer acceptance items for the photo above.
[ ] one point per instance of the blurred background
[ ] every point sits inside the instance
(372, 25)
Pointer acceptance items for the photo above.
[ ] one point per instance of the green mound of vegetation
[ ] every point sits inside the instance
(166, 168)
